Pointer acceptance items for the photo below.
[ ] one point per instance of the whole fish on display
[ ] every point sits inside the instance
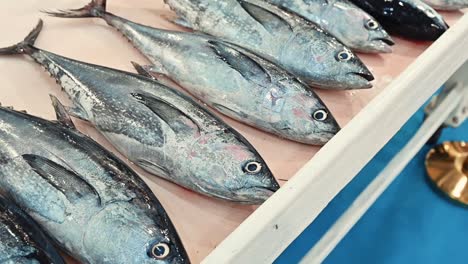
(286, 39)
(88, 201)
(21, 239)
(447, 4)
(409, 18)
(347, 22)
(158, 128)
(230, 79)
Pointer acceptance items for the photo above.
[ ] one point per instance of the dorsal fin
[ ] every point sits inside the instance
(175, 118)
(12, 108)
(142, 70)
(246, 66)
(270, 21)
(61, 113)
(66, 181)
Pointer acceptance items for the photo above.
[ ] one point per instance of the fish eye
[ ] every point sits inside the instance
(320, 115)
(430, 13)
(160, 250)
(253, 167)
(372, 24)
(344, 55)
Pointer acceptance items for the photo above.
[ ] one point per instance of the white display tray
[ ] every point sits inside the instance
(223, 232)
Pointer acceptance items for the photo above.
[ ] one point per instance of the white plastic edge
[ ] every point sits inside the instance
(264, 235)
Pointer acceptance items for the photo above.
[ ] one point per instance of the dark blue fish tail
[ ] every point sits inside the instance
(95, 8)
(25, 46)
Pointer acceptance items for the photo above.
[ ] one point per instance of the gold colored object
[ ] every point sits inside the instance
(447, 167)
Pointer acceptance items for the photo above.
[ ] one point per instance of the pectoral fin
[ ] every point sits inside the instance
(270, 21)
(175, 118)
(66, 181)
(245, 65)
(143, 70)
(61, 113)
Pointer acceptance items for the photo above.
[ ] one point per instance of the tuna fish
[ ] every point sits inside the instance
(347, 22)
(159, 128)
(82, 196)
(409, 18)
(284, 38)
(21, 239)
(229, 79)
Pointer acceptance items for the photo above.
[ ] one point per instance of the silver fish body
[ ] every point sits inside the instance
(82, 196)
(288, 40)
(21, 239)
(447, 4)
(347, 22)
(162, 130)
(234, 81)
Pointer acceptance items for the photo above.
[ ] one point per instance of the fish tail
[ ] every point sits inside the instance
(96, 8)
(25, 45)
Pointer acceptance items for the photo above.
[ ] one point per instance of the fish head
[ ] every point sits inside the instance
(234, 171)
(338, 66)
(358, 30)
(414, 19)
(130, 232)
(378, 39)
(346, 69)
(374, 37)
(307, 119)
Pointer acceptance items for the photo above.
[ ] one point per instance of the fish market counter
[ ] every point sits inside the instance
(222, 232)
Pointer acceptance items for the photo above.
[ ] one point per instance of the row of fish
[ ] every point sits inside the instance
(265, 55)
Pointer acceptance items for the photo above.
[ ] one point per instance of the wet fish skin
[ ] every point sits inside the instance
(161, 130)
(447, 4)
(348, 23)
(245, 86)
(286, 39)
(82, 196)
(409, 18)
(21, 239)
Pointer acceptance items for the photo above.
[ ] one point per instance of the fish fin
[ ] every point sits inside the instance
(179, 21)
(155, 72)
(12, 108)
(24, 46)
(270, 21)
(229, 112)
(77, 112)
(156, 68)
(242, 63)
(66, 181)
(175, 118)
(153, 168)
(143, 70)
(96, 8)
(61, 113)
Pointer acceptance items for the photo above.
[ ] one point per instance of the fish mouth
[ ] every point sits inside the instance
(253, 195)
(388, 40)
(364, 78)
(382, 45)
(368, 76)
